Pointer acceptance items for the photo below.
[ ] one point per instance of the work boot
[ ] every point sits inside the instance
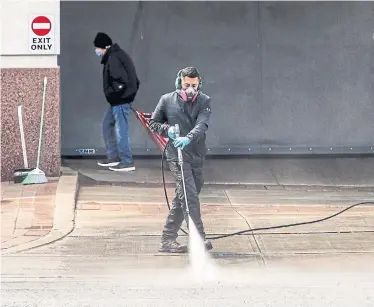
(208, 245)
(172, 246)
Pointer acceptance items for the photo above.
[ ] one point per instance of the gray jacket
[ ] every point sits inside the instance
(193, 120)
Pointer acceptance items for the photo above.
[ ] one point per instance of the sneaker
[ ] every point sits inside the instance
(123, 167)
(208, 245)
(172, 246)
(109, 162)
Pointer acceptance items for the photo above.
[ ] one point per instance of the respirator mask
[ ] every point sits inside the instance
(190, 93)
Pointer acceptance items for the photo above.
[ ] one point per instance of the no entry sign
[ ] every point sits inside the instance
(41, 25)
(42, 34)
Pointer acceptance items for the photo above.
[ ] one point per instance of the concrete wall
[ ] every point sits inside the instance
(284, 77)
(22, 74)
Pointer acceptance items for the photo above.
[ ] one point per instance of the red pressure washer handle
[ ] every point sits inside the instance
(157, 139)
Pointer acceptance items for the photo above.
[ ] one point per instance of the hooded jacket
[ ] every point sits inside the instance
(120, 81)
(193, 119)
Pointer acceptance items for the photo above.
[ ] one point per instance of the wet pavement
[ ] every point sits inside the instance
(111, 257)
(279, 287)
(26, 212)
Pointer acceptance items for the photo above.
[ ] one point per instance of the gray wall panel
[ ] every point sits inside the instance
(280, 74)
(83, 103)
(317, 68)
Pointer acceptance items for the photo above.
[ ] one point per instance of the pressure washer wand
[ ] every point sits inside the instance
(180, 161)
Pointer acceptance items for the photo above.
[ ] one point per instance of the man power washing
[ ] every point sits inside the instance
(191, 110)
(121, 85)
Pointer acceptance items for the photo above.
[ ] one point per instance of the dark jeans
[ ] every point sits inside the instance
(116, 133)
(194, 181)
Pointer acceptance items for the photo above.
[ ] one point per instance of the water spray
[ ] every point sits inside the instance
(202, 266)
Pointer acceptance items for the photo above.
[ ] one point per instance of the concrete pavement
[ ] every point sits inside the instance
(133, 217)
(39, 214)
(126, 223)
(26, 212)
(111, 256)
(136, 214)
(280, 287)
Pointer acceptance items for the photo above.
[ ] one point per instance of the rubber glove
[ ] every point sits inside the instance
(171, 133)
(182, 142)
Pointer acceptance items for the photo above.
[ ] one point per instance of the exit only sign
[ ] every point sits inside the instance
(42, 34)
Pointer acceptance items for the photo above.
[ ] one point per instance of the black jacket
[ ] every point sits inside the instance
(120, 81)
(193, 120)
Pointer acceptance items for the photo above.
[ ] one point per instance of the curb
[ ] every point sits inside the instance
(88, 181)
(64, 214)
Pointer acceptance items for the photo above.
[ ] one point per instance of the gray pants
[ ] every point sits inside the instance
(193, 178)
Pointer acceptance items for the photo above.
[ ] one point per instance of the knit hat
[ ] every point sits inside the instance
(102, 40)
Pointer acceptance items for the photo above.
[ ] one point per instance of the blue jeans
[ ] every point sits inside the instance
(116, 133)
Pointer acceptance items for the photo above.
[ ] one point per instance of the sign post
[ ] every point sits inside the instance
(42, 34)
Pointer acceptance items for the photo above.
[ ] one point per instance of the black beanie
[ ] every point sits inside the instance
(102, 40)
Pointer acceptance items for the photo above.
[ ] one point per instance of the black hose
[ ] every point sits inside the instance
(261, 228)
(291, 225)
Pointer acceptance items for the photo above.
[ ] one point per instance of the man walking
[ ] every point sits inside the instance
(121, 84)
(191, 110)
